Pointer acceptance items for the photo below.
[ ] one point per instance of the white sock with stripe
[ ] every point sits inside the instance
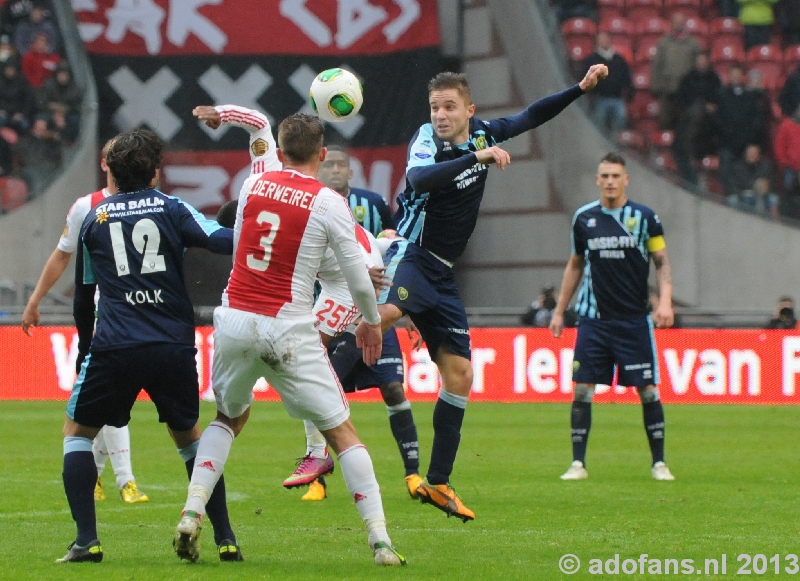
(212, 453)
(359, 476)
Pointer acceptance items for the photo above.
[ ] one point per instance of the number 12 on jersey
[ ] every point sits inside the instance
(146, 239)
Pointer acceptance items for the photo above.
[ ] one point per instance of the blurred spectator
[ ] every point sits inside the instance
(789, 19)
(789, 97)
(753, 183)
(784, 315)
(17, 100)
(39, 154)
(738, 122)
(697, 97)
(675, 56)
(38, 22)
(61, 98)
(608, 98)
(541, 311)
(787, 152)
(6, 49)
(575, 8)
(757, 18)
(12, 12)
(763, 105)
(728, 8)
(39, 63)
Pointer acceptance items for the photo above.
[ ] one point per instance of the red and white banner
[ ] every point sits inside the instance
(297, 27)
(510, 365)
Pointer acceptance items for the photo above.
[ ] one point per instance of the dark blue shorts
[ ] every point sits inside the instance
(110, 381)
(353, 373)
(424, 288)
(627, 344)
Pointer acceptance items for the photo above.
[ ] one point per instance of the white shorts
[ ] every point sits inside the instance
(333, 314)
(288, 353)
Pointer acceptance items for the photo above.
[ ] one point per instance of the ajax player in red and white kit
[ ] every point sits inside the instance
(111, 442)
(266, 328)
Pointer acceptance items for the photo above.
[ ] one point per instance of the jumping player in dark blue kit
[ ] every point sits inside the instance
(445, 178)
(613, 241)
(371, 211)
(131, 246)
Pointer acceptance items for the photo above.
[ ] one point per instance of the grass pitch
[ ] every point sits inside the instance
(736, 493)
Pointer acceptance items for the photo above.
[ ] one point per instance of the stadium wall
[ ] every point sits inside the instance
(29, 234)
(721, 258)
(510, 365)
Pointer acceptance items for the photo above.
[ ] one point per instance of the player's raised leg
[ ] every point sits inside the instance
(653, 414)
(580, 424)
(316, 463)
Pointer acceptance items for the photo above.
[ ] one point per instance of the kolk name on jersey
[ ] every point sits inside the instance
(604, 242)
(145, 296)
(285, 194)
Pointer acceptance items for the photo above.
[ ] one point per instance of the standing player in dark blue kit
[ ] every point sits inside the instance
(131, 245)
(613, 240)
(445, 178)
(371, 211)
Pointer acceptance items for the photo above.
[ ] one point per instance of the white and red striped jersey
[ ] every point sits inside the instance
(77, 213)
(334, 309)
(288, 221)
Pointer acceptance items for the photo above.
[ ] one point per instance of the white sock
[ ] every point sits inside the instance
(359, 476)
(118, 444)
(100, 452)
(212, 453)
(316, 445)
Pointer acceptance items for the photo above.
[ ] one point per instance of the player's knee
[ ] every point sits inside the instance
(648, 394)
(583, 393)
(393, 393)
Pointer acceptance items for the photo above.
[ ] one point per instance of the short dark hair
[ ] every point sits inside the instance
(133, 158)
(786, 299)
(448, 80)
(337, 147)
(613, 157)
(226, 216)
(300, 137)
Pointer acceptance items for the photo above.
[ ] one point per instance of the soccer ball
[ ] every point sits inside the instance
(336, 95)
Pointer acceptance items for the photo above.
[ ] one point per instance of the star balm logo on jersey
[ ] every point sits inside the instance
(336, 95)
(402, 293)
(360, 212)
(631, 223)
(259, 147)
(102, 217)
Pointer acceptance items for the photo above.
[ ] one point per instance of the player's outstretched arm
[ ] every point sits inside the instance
(53, 269)
(665, 316)
(569, 284)
(208, 115)
(594, 75)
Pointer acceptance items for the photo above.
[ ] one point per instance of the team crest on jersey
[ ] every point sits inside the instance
(259, 147)
(102, 217)
(631, 223)
(65, 231)
(360, 212)
(575, 366)
(402, 293)
(591, 223)
(481, 143)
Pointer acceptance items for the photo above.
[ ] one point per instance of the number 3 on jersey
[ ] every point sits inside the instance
(272, 220)
(146, 239)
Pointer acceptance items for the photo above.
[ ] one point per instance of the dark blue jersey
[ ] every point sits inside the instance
(132, 248)
(370, 210)
(616, 245)
(445, 183)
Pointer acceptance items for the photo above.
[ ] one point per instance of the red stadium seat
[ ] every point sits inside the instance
(697, 27)
(610, 9)
(726, 50)
(641, 76)
(643, 106)
(689, 8)
(646, 126)
(765, 53)
(630, 138)
(710, 163)
(709, 8)
(771, 74)
(624, 48)
(651, 26)
(726, 25)
(664, 160)
(663, 139)
(616, 26)
(13, 193)
(579, 47)
(579, 27)
(645, 49)
(644, 9)
(791, 57)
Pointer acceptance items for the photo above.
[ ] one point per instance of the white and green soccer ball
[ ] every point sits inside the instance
(336, 95)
